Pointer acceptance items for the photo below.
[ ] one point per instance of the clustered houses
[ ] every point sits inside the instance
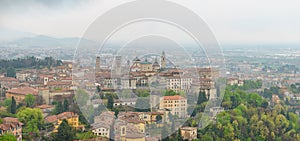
(46, 85)
(103, 124)
(143, 74)
(128, 125)
(12, 126)
(235, 81)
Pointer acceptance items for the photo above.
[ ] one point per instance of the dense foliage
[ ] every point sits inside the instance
(33, 121)
(248, 117)
(29, 62)
(8, 137)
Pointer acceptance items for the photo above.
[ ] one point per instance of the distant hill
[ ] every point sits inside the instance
(42, 41)
(7, 34)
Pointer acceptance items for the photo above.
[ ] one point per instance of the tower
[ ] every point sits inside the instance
(97, 67)
(163, 60)
(118, 65)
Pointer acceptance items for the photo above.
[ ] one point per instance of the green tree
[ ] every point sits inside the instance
(201, 98)
(66, 105)
(85, 135)
(7, 104)
(179, 136)
(7, 137)
(110, 102)
(98, 89)
(11, 72)
(32, 119)
(13, 108)
(158, 119)
(65, 132)
(58, 108)
(143, 93)
(30, 100)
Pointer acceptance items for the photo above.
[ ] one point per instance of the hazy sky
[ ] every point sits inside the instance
(231, 21)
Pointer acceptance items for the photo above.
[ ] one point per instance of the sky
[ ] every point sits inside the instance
(232, 21)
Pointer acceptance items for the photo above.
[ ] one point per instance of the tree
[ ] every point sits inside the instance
(7, 137)
(264, 104)
(65, 132)
(66, 105)
(201, 98)
(11, 72)
(98, 89)
(158, 119)
(170, 93)
(143, 93)
(58, 108)
(7, 104)
(13, 108)
(116, 112)
(32, 119)
(85, 135)
(30, 100)
(110, 102)
(179, 136)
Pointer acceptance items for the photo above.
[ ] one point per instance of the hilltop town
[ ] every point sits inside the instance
(145, 98)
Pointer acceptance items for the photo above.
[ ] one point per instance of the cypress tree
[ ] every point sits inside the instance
(13, 108)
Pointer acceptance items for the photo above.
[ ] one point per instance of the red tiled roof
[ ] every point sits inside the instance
(8, 79)
(66, 115)
(44, 106)
(51, 119)
(175, 97)
(10, 119)
(23, 91)
(58, 83)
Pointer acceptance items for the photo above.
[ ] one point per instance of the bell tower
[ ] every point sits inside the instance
(97, 68)
(163, 60)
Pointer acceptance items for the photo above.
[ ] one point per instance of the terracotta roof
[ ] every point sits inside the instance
(58, 83)
(66, 115)
(10, 120)
(8, 79)
(44, 106)
(23, 91)
(175, 97)
(51, 119)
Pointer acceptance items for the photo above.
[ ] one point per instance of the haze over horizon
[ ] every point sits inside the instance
(232, 21)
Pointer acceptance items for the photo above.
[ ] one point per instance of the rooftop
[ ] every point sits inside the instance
(175, 97)
(23, 91)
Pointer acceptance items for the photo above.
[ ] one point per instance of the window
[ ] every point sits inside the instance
(123, 130)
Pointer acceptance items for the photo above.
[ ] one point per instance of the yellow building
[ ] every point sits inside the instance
(146, 66)
(176, 104)
(150, 117)
(72, 118)
(188, 133)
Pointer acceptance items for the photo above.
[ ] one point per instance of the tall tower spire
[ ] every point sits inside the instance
(97, 67)
(163, 60)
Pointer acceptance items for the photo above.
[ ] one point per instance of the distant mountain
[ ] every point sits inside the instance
(7, 35)
(42, 41)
